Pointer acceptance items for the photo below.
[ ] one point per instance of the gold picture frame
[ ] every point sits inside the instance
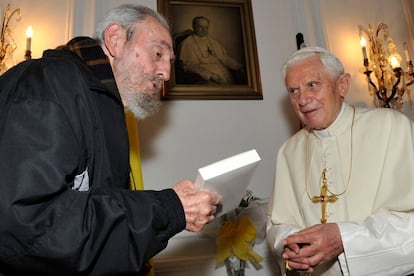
(231, 33)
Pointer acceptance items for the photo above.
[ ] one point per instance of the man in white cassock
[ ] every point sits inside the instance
(343, 198)
(206, 57)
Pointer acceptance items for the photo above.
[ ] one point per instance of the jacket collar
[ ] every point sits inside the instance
(91, 53)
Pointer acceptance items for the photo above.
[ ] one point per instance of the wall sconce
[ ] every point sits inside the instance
(389, 82)
(7, 43)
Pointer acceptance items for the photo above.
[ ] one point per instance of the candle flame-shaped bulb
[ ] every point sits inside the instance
(363, 41)
(407, 54)
(29, 32)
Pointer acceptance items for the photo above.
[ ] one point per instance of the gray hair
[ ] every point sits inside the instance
(330, 62)
(127, 15)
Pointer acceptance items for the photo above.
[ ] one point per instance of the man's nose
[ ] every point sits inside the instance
(304, 96)
(164, 71)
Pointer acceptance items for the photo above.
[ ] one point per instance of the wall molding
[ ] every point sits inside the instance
(408, 7)
(309, 21)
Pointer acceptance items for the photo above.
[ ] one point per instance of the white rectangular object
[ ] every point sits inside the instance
(229, 178)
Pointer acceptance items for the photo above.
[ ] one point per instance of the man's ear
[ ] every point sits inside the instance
(114, 38)
(343, 83)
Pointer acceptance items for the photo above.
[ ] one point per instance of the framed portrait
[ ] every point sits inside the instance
(215, 50)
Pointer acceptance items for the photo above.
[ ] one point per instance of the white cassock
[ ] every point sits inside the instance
(205, 56)
(375, 212)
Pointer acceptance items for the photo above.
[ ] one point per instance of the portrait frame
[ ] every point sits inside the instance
(232, 24)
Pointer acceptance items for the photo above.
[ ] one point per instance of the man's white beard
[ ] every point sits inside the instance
(132, 82)
(142, 105)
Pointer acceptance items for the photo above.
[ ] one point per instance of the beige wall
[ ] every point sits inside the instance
(186, 135)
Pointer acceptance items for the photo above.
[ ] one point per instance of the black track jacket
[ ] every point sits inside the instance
(65, 207)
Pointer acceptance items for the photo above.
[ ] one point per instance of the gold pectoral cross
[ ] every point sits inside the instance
(324, 198)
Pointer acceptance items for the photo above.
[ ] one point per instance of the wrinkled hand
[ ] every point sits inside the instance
(199, 205)
(313, 246)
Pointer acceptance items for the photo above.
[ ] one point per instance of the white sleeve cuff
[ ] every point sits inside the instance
(383, 244)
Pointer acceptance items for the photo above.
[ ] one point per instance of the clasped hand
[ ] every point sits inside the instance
(199, 205)
(312, 246)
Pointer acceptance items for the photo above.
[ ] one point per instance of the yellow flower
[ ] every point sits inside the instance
(237, 237)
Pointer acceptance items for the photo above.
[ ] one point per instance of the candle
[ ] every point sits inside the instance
(407, 54)
(363, 43)
(29, 34)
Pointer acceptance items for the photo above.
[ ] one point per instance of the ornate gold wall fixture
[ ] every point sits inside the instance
(388, 81)
(7, 43)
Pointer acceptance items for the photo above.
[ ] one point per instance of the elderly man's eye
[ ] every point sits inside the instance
(293, 90)
(313, 84)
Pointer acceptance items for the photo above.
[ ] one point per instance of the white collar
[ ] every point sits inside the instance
(323, 133)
